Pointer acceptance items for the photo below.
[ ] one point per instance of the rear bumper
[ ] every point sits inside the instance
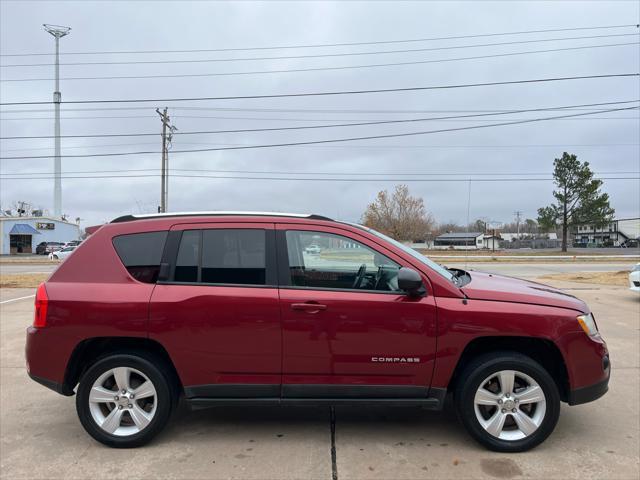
(56, 387)
(46, 359)
(589, 393)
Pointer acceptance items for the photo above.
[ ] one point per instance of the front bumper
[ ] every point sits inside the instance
(589, 393)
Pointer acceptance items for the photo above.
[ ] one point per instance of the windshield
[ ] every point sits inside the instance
(421, 258)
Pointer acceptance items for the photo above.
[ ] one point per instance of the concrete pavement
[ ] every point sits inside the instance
(42, 438)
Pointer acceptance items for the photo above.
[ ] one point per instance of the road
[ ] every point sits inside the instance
(529, 269)
(8, 268)
(592, 441)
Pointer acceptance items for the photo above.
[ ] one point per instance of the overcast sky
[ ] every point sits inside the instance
(609, 141)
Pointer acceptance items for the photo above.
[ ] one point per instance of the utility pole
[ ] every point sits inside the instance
(518, 215)
(58, 32)
(167, 135)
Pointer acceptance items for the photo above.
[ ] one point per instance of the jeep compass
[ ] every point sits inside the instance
(268, 308)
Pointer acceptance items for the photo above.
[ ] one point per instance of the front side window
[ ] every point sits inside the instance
(222, 256)
(325, 260)
(141, 254)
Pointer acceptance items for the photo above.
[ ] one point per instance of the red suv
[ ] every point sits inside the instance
(229, 307)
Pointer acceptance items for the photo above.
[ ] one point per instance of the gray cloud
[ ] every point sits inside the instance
(187, 25)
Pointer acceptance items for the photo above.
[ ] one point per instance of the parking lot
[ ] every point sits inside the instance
(42, 438)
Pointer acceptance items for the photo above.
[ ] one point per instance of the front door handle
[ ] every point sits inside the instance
(308, 307)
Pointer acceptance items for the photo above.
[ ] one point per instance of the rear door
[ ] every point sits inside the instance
(218, 313)
(347, 329)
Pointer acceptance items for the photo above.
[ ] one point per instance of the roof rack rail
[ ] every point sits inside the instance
(130, 218)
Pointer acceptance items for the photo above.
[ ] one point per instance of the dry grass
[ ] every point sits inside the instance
(22, 280)
(620, 278)
(509, 252)
(536, 261)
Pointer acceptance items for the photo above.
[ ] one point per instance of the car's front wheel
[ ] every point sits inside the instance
(507, 402)
(124, 400)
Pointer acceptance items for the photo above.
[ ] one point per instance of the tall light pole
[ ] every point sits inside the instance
(58, 32)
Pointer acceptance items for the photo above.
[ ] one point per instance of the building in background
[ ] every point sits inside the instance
(612, 234)
(491, 241)
(23, 234)
(459, 241)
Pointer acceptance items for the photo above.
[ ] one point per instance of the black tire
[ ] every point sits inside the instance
(483, 367)
(155, 371)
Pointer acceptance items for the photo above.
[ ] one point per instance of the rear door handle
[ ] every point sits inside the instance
(308, 307)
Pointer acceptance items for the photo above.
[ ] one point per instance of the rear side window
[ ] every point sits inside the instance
(222, 256)
(141, 254)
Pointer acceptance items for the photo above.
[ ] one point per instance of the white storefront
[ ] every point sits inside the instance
(23, 234)
(612, 234)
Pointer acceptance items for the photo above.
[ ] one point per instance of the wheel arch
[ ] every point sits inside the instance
(543, 351)
(89, 350)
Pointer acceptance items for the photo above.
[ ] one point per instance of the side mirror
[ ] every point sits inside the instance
(410, 282)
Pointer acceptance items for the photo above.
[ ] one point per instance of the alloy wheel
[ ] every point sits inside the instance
(510, 405)
(123, 401)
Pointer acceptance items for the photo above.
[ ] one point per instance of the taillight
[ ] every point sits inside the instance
(42, 302)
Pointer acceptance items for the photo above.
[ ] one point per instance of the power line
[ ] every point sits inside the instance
(272, 172)
(395, 147)
(340, 92)
(281, 110)
(303, 179)
(318, 69)
(334, 125)
(317, 142)
(279, 47)
(282, 119)
(321, 55)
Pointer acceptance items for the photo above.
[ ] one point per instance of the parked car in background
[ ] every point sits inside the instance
(631, 243)
(62, 254)
(313, 249)
(41, 248)
(44, 248)
(226, 307)
(634, 279)
(73, 243)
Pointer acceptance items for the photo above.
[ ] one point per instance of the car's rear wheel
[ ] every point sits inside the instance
(124, 400)
(507, 402)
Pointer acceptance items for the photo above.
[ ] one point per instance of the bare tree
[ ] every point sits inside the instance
(399, 215)
(448, 227)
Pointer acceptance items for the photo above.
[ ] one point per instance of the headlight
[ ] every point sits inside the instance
(588, 324)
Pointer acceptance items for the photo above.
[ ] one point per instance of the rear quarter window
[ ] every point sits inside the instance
(141, 254)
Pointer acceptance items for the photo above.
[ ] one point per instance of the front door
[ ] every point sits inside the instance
(218, 314)
(347, 329)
